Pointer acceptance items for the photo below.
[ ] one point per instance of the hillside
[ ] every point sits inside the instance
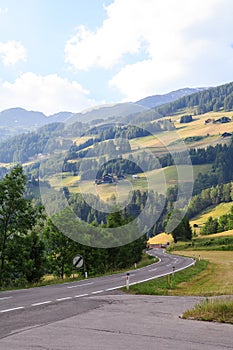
(77, 156)
(157, 100)
(212, 99)
(214, 211)
(15, 121)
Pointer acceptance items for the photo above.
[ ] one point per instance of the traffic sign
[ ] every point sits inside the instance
(78, 261)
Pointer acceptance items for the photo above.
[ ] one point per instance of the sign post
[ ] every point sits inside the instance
(173, 271)
(127, 281)
(78, 262)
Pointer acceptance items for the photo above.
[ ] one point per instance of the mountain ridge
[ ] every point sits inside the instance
(159, 99)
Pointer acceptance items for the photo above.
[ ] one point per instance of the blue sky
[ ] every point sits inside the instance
(58, 55)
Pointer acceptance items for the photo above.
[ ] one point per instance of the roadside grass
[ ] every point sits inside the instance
(216, 310)
(211, 276)
(162, 285)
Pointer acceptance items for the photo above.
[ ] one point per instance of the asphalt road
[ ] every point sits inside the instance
(21, 309)
(94, 315)
(120, 322)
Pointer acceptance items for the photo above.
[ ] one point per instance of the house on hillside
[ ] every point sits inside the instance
(222, 120)
(207, 121)
(226, 134)
(106, 179)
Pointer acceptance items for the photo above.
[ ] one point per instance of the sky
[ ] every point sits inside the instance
(70, 55)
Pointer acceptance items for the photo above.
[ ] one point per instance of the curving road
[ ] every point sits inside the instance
(21, 308)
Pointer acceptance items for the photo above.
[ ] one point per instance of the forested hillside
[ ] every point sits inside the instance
(213, 99)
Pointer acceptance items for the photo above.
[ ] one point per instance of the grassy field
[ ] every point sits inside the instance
(214, 211)
(161, 238)
(217, 279)
(157, 180)
(211, 133)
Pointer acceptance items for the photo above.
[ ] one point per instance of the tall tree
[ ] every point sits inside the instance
(60, 250)
(17, 214)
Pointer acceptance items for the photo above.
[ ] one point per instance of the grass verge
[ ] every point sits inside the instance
(217, 310)
(162, 285)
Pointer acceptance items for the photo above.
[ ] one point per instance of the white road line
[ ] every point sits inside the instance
(168, 265)
(42, 303)
(81, 285)
(65, 298)
(5, 298)
(97, 292)
(153, 269)
(162, 275)
(80, 295)
(15, 308)
(113, 288)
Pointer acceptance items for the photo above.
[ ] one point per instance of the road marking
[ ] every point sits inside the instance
(97, 292)
(42, 303)
(113, 288)
(4, 298)
(81, 285)
(162, 275)
(168, 265)
(152, 269)
(15, 308)
(65, 298)
(80, 295)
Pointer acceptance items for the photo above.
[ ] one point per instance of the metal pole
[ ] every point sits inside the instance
(85, 270)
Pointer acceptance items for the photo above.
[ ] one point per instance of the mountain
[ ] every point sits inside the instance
(60, 117)
(21, 118)
(104, 112)
(122, 110)
(156, 100)
(219, 98)
(15, 121)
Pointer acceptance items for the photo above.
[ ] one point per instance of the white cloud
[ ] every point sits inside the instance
(3, 10)
(12, 52)
(48, 94)
(170, 43)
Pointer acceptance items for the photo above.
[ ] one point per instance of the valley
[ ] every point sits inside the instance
(121, 162)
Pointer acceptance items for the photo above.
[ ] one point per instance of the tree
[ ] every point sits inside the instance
(211, 226)
(17, 214)
(60, 251)
(27, 259)
(182, 230)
